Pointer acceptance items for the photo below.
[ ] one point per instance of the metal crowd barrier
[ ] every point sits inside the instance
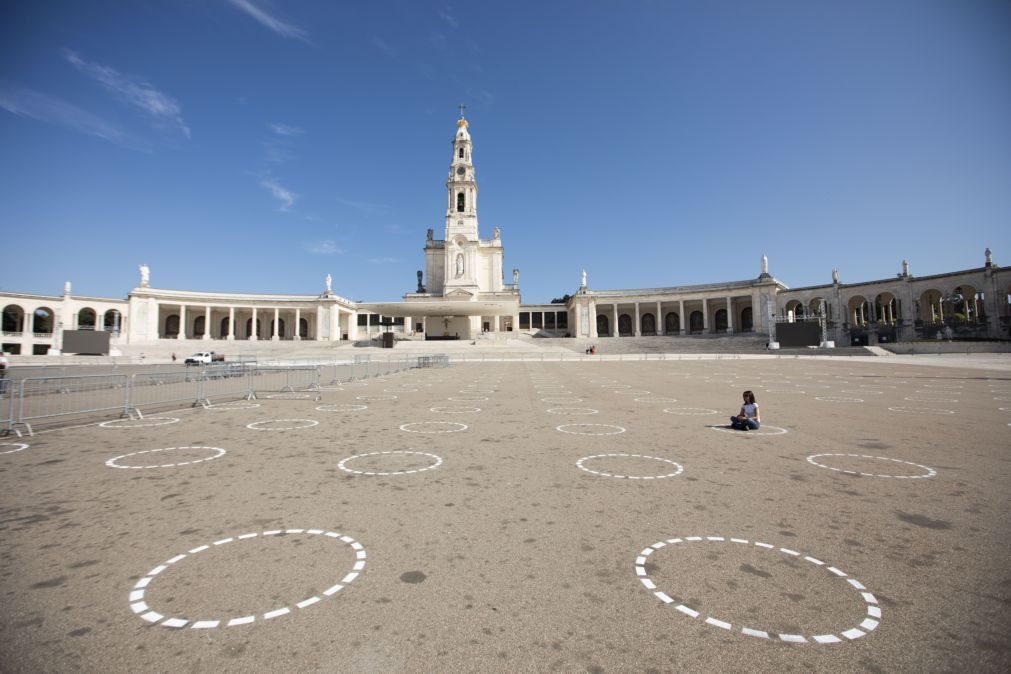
(31, 399)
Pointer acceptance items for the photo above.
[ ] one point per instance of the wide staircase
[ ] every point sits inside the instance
(744, 343)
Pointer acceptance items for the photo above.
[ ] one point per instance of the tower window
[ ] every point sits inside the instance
(459, 202)
(461, 153)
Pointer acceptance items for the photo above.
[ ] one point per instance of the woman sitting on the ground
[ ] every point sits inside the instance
(748, 419)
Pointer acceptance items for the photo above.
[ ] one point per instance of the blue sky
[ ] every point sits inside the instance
(255, 145)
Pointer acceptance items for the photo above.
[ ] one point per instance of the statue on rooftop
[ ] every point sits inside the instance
(835, 276)
(329, 280)
(145, 276)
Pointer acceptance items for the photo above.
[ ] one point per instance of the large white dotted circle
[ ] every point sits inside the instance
(238, 405)
(838, 399)
(930, 472)
(921, 410)
(113, 462)
(146, 422)
(343, 463)
(433, 427)
(677, 466)
(572, 410)
(298, 424)
(590, 429)
(342, 408)
(140, 607)
(870, 622)
(764, 429)
(446, 409)
(18, 447)
(692, 411)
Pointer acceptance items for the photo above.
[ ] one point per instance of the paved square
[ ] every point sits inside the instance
(526, 517)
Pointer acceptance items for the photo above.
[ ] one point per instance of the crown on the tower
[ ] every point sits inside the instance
(461, 123)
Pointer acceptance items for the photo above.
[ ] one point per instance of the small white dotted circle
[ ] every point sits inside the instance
(306, 423)
(240, 405)
(764, 429)
(572, 410)
(376, 397)
(139, 423)
(693, 411)
(477, 399)
(656, 400)
(871, 621)
(438, 462)
(921, 399)
(18, 447)
(342, 408)
(289, 396)
(113, 462)
(678, 467)
(146, 613)
(930, 471)
(921, 410)
(838, 399)
(456, 427)
(566, 428)
(455, 410)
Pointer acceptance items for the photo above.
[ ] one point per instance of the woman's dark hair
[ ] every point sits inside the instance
(750, 397)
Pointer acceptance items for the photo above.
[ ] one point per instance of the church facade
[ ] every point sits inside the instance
(463, 293)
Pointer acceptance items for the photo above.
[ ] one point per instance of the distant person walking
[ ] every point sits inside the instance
(173, 356)
(749, 418)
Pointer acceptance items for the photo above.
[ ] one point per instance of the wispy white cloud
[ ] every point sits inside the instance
(137, 92)
(384, 46)
(285, 130)
(362, 205)
(29, 103)
(273, 23)
(324, 247)
(382, 260)
(282, 194)
(447, 15)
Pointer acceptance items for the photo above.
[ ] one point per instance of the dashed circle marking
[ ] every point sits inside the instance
(761, 430)
(916, 399)
(112, 463)
(256, 425)
(921, 410)
(562, 400)
(342, 408)
(678, 467)
(445, 409)
(375, 397)
(407, 428)
(572, 410)
(139, 423)
(691, 411)
(655, 400)
(870, 622)
(838, 399)
(564, 428)
(438, 462)
(289, 396)
(18, 447)
(238, 405)
(146, 613)
(477, 399)
(930, 471)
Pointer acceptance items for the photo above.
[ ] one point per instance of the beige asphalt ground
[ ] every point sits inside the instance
(501, 554)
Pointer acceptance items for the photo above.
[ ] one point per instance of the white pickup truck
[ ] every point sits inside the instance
(205, 358)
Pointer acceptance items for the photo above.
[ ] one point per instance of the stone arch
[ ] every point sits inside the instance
(249, 328)
(603, 326)
(814, 307)
(224, 327)
(280, 328)
(696, 323)
(721, 320)
(970, 307)
(172, 325)
(43, 320)
(672, 323)
(199, 326)
(86, 319)
(648, 324)
(13, 318)
(858, 310)
(747, 321)
(303, 328)
(793, 310)
(887, 308)
(112, 320)
(624, 325)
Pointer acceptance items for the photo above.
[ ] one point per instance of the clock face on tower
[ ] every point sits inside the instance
(460, 170)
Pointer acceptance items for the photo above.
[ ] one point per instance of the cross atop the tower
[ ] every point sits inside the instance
(462, 108)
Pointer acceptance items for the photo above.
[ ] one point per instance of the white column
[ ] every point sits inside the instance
(276, 335)
(636, 328)
(182, 321)
(681, 315)
(231, 323)
(298, 324)
(614, 328)
(254, 333)
(730, 316)
(705, 316)
(335, 323)
(659, 319)
(207, 322)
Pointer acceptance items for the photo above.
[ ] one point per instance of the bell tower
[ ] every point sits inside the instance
(461, 206)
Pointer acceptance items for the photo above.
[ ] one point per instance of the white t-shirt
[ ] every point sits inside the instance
(750, 410)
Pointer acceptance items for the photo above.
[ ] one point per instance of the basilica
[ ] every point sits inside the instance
(465, 292)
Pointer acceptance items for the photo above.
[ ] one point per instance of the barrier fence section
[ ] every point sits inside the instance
(148, 389)
(46, 397)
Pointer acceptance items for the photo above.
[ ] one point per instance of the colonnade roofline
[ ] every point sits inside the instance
(60, 298)
(204, 296)
(700, 288)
